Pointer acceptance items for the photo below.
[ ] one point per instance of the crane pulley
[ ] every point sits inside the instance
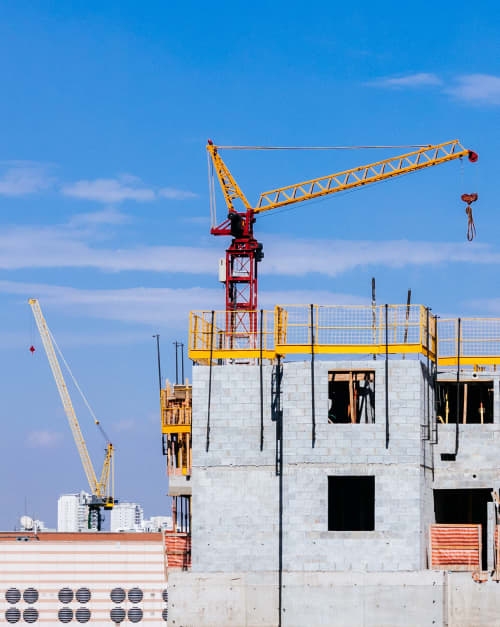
(245, 251)
(102, 489)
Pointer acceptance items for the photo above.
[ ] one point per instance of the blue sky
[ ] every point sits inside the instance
(106, 110)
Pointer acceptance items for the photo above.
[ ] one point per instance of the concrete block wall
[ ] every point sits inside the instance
(235, 487)
(477, 464)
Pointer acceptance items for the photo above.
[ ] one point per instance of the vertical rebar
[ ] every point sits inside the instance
(428, 380)
(386, 378)
(374, 316)
(158, 358)
(261, 383)
(182, 363)
(207, 446)
(176, 364)
(279, 432)
(459, 339)
(313, 404)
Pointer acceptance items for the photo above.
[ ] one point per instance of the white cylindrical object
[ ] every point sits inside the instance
(222, 270)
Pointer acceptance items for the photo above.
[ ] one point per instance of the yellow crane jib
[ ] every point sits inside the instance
(102, 490)
(424, 157)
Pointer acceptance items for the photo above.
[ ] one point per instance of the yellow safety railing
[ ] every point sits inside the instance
(354, 329)
(290, 329)
(479, 341)
(176, 412)
(253, 335)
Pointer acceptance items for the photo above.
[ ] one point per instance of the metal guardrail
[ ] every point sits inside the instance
(337, 329)
(253, 331)
(479, 341)
(343, 329)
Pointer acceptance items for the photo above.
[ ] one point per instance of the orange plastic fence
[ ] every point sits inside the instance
(178, 548)
(455, 547)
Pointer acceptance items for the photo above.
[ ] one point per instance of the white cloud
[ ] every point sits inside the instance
(484, 305)
(156, 306)
(477, 88)
(420, 79)
(106, 216)
(62, 247)
(109, 190)
(20, 178)
(124, 187)
(331, 258)
(44, 439)
(175, 194)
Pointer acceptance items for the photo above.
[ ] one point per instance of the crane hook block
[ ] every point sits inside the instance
(471, 227)
(473, 156)
(32, 349)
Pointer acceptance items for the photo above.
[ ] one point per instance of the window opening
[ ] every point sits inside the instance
(351, 396)
(351, 503)
(475, 405)
(465, 507)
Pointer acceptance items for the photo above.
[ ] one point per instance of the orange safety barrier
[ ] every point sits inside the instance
(455, 547)
(178, 548)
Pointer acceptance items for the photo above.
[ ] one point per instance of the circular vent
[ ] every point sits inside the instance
(164, 614)
(65, 615)
(117, 615)
(65, 595)
(83, 595)
(12, 595)
(30, 615)
(30, 595)
(12, 615)
(135, 595)
(164, 595)
(82, 615)
(117, 595)
(135, 614)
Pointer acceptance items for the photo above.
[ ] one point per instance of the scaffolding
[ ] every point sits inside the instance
(176, 410)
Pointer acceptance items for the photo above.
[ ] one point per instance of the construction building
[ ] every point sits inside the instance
(344, 470)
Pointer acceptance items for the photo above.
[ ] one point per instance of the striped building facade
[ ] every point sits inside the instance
(99, 578)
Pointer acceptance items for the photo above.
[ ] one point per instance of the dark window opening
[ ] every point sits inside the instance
(465, 507)
(351, 396)
(475, 403)
(351, 503)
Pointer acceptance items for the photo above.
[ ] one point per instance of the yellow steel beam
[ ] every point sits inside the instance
(176, 428)
(230, 188)
(363, 175)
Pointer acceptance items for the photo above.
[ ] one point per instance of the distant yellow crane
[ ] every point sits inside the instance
(102, 490)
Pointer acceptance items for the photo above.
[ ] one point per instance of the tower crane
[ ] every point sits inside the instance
(245, 252)
(102, 490)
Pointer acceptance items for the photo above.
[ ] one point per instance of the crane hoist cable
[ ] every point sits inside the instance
(96, 422)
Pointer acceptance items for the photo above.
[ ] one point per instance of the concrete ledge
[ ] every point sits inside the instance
(402, 599)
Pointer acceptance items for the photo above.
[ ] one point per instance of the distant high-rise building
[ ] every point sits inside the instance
(73, 512)
(157, 523)
(126, 517)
